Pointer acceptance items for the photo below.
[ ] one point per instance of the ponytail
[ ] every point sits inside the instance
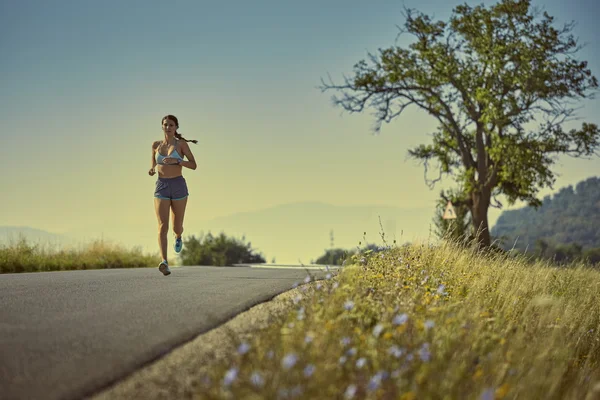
(178, 136)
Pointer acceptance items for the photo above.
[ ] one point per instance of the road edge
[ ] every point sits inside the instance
(178, 374)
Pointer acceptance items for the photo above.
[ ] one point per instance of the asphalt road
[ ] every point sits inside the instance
(68, 334)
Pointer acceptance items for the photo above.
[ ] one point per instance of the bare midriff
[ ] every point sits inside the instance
(168, 171)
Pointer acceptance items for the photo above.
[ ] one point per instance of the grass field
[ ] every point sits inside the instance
(411, 322)
(423, 322)
(21, 256)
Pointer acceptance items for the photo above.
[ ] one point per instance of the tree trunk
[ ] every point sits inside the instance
(479, 211)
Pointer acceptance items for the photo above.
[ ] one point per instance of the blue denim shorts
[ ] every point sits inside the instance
(171, 188)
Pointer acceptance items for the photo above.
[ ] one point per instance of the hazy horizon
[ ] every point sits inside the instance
(85, 86)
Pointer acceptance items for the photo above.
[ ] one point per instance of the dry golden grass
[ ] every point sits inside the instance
(423, 322)
(21, 256)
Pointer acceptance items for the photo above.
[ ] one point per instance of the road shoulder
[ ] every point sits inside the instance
(178, 375)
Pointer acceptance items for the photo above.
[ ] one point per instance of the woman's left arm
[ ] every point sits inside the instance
(191, 161)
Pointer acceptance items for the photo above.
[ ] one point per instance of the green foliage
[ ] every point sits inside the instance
(218, 251)
(344, 257)
(564, 228)
(487, 75)
(334, 257)
(568, 217)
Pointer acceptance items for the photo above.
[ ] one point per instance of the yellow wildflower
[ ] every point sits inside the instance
(502, 391)
(408, 396)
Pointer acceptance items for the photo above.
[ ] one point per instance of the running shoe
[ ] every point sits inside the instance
(178, 245)
(164, 268)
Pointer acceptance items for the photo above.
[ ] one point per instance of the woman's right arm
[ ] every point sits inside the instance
(152, 171)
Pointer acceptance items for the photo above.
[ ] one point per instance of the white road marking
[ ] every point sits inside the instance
(292, 267)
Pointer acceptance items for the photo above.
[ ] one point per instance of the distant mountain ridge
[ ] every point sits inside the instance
(290, 233)
(11, 234)
(571, 216)
(310, 225)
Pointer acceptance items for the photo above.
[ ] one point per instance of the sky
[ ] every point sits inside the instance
(85, 86)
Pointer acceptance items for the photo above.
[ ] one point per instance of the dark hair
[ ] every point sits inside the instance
(177, 135)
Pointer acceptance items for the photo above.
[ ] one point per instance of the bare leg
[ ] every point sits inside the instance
(178, 208)
(162, 208)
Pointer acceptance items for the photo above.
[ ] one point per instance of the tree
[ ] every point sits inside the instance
(334, 257)
(487, 75)
(218, 251)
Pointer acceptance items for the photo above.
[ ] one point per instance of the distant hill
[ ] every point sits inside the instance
(571, 216)
(302, 230)
(12, 234)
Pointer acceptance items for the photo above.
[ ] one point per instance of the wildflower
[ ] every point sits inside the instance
(297, 299)
(335, 285)
(256, 379)
(488, 394)
(308, 370)
(424, 352)
(307, 279)
(318, 286)
(328, 276)
(408, 396)
(289, 361)
(429, 324)
(345, 341)
(374, 382)
(400, 319)
(377, 330)
(351, 352)
(361, 362)
(349, 305)
(342, 360)
(395, 351)
(350, 392)
(503, 390)
(243, 348)
(296, 391)
(441, 290)
(308, 339)
(230, 376)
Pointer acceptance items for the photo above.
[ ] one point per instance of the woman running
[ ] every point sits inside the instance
(171, 191)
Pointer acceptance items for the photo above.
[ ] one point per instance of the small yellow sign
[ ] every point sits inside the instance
(449, 213)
